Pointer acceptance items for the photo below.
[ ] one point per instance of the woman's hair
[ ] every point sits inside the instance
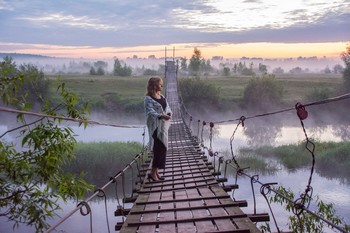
(152, 84)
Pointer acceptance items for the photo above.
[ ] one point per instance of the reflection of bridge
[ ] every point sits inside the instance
(190, 199)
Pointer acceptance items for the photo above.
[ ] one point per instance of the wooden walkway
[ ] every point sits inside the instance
(190, 199)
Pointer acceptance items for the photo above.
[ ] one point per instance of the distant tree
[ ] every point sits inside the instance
(235, 67)
(262, 93)
(150, 72)
(327, 70)
(226, 71)
(120, 70)
(195, 62)
(198, 92)
(92, 71)
(318, 94)
(161, 69)
(338, 69)
(262, 68)
(296, 70)
(183, 63)
(100, 71)
(102, 64)
(346, 73)
(278, 70)
(206, 66)
(247, 71)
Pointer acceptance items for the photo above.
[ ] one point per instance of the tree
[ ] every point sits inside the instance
(346, 72)
(338, 69)
(278, 70)
(262, 93)
(262, 68)
(33, 86)
(305, 222)
(183, 63)
(206, 66)
(120, 70)
(100, 71)
(226, 71)
(31, 177)
(296, 70)
(195, 62)
(327, 70)
(92, 71)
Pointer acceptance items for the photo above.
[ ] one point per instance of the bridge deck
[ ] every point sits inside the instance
(189, 199)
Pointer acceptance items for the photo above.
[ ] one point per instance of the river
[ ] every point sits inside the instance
(328, 189)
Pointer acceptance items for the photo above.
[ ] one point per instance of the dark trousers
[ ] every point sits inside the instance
(159, 152)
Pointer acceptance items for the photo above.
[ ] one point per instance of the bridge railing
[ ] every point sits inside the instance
(302, 203)
(100, 192)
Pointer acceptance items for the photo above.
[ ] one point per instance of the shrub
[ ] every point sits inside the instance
(262, 92)
(196, 91)
(318, 94)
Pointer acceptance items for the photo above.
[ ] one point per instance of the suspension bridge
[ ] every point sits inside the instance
(194, 195)
(190, 199)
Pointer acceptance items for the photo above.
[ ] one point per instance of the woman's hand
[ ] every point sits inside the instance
(165, 117)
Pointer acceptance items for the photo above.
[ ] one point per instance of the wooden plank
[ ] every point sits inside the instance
(183, 227)
(201, 213)
(222, 224)
(167, 215)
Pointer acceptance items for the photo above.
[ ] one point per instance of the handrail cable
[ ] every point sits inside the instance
(11, 110)
(298, 207)
(337, 98)
(96, 193)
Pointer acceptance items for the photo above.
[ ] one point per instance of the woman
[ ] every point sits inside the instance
(158, 115)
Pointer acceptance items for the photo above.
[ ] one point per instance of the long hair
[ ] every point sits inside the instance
(152, 84)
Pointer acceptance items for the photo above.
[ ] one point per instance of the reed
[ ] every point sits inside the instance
(332, 159)
(99, 161)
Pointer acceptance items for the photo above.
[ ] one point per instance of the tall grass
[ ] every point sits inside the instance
(102, 160)
(332, 159)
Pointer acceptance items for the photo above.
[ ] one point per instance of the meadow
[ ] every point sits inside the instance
(125, 94)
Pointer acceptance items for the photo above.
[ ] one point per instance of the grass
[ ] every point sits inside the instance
(231, 88)
(99, 159)
(90, 87)
(332, 159)
(296, 87)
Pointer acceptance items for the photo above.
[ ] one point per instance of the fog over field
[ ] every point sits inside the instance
(52, 65)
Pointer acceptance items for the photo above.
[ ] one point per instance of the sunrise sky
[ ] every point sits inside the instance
(123, 28)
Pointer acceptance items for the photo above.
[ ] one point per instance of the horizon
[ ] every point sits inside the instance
(169, 52)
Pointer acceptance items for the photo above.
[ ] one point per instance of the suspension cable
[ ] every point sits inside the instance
(299, 204)
(96, 193)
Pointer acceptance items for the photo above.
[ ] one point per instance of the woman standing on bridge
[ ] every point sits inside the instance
(158, 115)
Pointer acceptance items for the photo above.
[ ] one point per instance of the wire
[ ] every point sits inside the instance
(10, 110)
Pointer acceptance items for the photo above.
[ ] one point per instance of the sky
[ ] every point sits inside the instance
(123, 28)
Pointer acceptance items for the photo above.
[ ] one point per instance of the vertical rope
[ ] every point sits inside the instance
(106, 207)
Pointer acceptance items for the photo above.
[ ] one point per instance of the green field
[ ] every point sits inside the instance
(296, 87)
(125, 94)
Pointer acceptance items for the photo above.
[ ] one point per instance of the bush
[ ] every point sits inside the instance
(318, 94)
(262, 93)
(196, 91)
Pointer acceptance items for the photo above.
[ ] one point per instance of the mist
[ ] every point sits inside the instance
(54, 65)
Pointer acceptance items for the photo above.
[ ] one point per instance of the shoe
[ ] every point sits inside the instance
(161, 178)
(150, 177)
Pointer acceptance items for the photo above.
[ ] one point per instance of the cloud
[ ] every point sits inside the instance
(59, 19)
(141, 22)
(5, 6)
